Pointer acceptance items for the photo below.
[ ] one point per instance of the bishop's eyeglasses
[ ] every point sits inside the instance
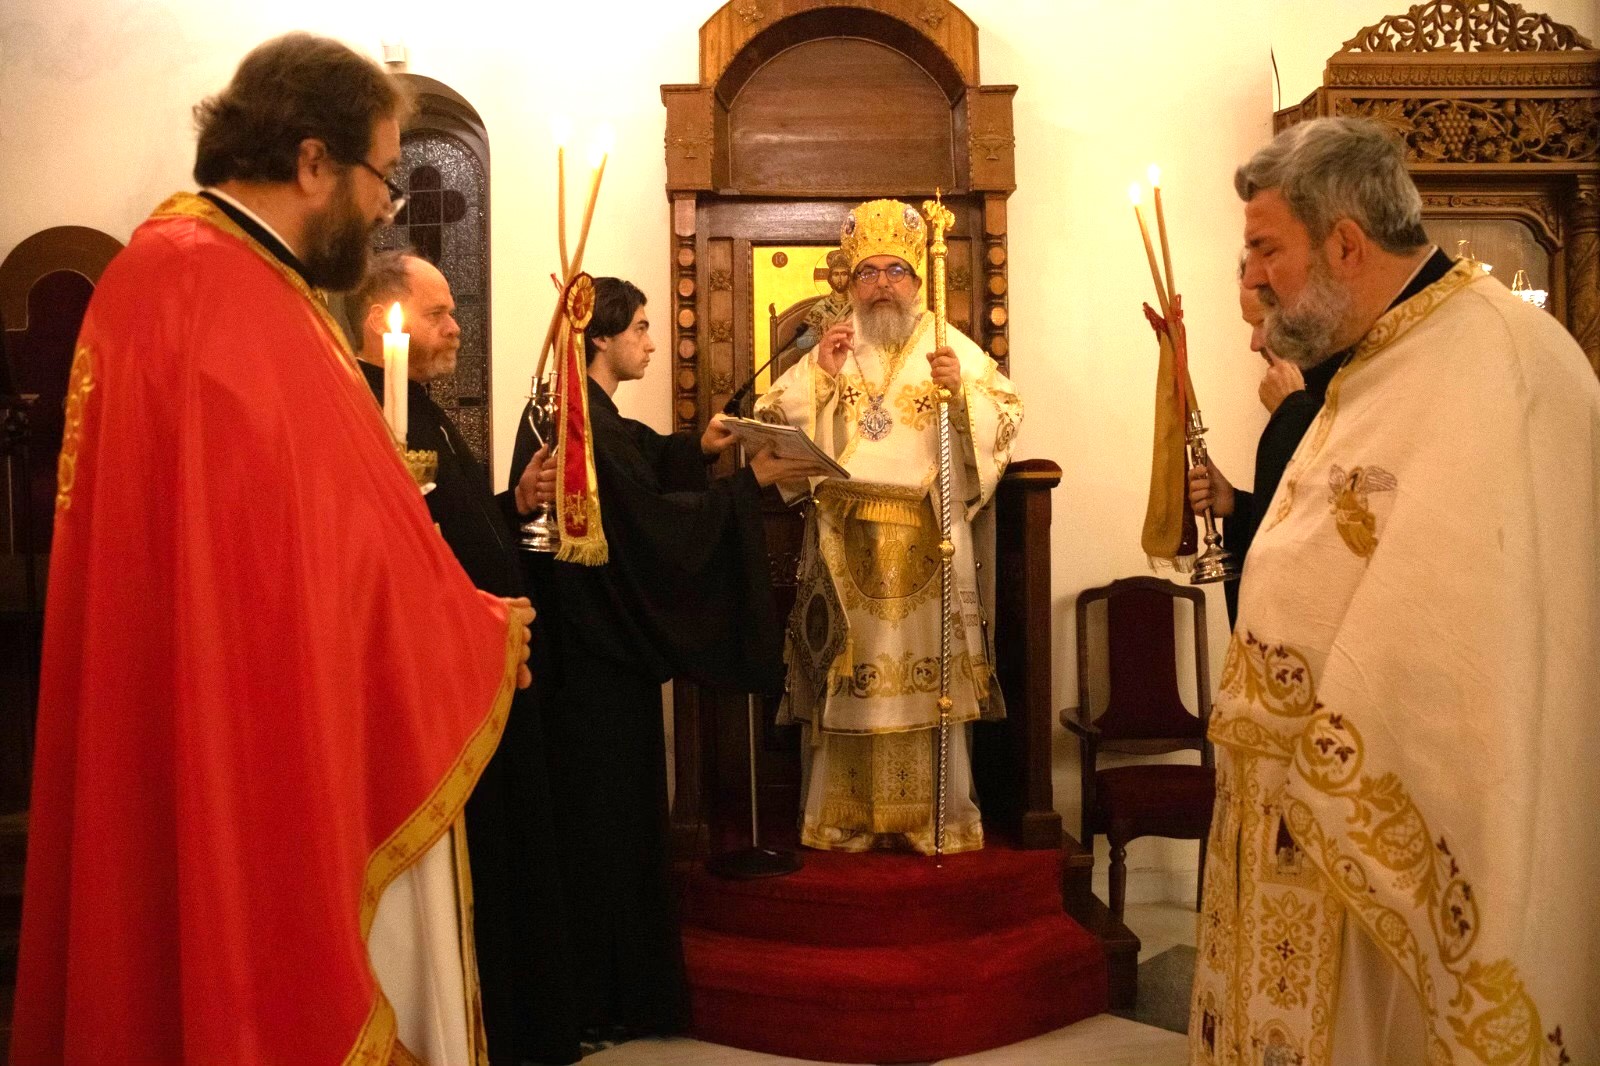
(895, 272)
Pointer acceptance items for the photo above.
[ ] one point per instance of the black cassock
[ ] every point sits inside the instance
(518, 914)
(686, 593)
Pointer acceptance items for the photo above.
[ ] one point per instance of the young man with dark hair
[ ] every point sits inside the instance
(267, 688)
(686, 593)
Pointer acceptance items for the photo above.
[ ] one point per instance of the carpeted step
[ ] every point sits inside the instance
(882, 898)
(903, 1003)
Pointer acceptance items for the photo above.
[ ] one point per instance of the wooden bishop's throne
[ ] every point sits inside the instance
(803, 110)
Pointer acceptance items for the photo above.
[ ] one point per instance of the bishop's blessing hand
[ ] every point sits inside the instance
(834, 346)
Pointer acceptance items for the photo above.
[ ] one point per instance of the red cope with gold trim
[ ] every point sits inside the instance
(267, 685)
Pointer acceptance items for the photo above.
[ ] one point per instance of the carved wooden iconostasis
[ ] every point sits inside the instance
(1499, 112)
(805, 108)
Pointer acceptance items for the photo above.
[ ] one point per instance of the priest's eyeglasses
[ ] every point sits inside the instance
(895, 272)
(397, 195)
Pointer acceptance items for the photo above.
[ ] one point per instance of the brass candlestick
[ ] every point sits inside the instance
(424, 467)
(540, 533)
(1216, 563)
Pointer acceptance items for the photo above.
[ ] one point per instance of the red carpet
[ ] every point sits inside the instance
(886, 958)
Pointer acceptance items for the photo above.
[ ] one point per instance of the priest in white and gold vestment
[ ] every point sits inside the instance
(864, 640)
(1404, 853)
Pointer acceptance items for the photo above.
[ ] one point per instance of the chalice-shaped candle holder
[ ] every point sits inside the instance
(540, 533)
(424, 467)
(1216, 563)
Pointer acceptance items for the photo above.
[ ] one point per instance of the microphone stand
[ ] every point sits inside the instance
(754, 862)
(735, 403)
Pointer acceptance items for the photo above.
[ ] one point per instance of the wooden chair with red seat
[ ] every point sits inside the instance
(1143, 715)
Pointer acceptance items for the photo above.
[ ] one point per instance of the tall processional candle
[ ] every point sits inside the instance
(1154, 174)
(1149, 250)
(396, 369)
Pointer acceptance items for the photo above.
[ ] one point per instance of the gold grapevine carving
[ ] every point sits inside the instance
(1466, 26)
(1488, 131)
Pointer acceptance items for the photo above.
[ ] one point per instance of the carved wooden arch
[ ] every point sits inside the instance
(77, 249)
(730, 167)
(45, 285)
(1499, 111)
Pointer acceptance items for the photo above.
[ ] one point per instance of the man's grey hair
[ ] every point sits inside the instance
(1332, 168)
(385, 282)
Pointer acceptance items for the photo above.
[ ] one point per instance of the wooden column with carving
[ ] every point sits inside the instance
(1583, 267)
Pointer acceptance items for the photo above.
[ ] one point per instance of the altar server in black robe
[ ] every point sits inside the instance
(686, 592)
(518, 913)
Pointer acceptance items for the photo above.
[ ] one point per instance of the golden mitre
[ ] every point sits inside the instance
(885, 227)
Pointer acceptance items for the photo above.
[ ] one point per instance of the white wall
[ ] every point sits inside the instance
(95, 130)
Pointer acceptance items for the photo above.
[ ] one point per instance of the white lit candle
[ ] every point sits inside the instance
(1149, 252)
(563, 131)
(1154, 174)
(396, 368)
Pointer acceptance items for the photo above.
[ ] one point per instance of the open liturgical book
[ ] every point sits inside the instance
(786, 442)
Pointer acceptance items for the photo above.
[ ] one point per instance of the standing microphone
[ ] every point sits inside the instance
(804, 341)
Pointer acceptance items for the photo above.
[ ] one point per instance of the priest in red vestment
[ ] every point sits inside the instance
(268, 687)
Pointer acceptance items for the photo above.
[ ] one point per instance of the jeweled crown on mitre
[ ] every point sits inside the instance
(885, 227)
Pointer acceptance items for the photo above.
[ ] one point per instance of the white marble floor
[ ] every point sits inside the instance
(1103, 1040)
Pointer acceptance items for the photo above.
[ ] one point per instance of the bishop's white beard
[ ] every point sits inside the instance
(1304, 333)
(887, 325)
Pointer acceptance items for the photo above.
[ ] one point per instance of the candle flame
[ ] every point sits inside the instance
(561, 130)
(1133, 193)
(1154, 174)
(396, 319)
(604, 138)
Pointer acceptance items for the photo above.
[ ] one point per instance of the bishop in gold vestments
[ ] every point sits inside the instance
(864, 641)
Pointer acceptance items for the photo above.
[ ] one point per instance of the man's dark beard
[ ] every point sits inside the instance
(337, 244)
(1306, 333)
